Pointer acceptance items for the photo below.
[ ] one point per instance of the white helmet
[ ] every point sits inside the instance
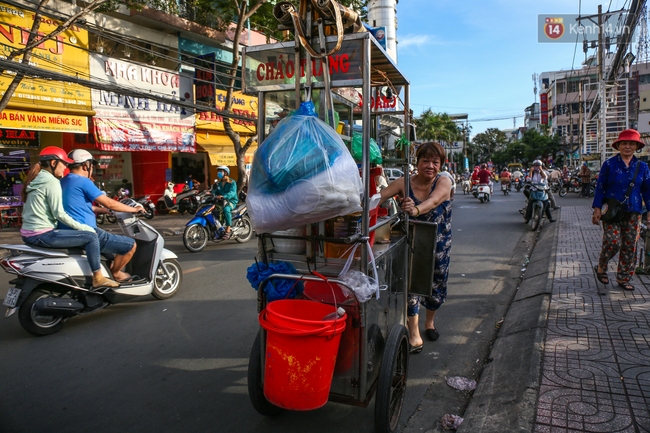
(224, 168)
(79, 156)
(537, 162)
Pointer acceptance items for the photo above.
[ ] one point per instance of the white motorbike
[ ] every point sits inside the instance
(483, 192)
(53, 285)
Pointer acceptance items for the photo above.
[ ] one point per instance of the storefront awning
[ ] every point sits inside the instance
(220, 148)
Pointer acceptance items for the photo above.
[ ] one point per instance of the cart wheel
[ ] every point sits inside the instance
(255, 386)
(391, 387)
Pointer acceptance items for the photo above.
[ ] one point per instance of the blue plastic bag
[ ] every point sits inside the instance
(275, 288)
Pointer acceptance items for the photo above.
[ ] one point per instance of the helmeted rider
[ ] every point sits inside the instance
(485, 176)
(504, 177)
(537, 176)
(79, 193)
(43, 210)
(224, 188)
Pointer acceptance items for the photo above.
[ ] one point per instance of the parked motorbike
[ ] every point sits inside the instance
(204, 226)
(148, 206)
(53, 285)
(185, 201)
(575, 185)
(539, 196)
(483, 192)
(102, 218)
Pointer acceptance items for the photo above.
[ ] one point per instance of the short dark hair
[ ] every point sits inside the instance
(430, 149)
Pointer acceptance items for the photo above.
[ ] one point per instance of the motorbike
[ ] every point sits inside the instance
(517, 183)
(184, 201)
(539, 195)
(204, 226)
(102, 218)
(148, 206)
(467, 186)
(54, 285)
(505, 187)
(483, 192)
(475, 188)
(575, 185)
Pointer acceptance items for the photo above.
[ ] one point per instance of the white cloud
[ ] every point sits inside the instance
(414, 40)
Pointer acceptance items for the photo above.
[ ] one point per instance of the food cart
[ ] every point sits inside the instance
(372, 357)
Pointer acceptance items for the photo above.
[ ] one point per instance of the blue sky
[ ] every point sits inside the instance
(478, 57)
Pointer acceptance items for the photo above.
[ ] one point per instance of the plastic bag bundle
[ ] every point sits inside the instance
(275, 288)
(357, 149)
(301, 174)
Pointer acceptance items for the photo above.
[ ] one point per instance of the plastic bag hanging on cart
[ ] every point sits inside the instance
(361, 284)
(277, 288)
(302, 173)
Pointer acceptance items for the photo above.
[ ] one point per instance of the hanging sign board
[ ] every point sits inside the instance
(127, 123)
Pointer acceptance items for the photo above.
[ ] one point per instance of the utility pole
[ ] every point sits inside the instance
(601, 88)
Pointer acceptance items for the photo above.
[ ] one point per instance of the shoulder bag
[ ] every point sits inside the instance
(612, 210)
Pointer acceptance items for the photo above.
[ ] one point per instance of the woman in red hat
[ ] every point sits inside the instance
(614, 179)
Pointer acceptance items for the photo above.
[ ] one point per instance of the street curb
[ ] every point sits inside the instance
(506, 397)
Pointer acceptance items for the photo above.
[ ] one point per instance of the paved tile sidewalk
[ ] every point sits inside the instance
(596, 365)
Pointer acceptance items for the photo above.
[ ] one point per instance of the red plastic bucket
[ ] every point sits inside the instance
(300, 353)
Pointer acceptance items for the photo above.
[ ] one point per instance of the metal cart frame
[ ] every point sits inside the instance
(376, 328)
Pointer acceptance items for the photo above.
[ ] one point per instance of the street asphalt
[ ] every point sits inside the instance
(571, 354)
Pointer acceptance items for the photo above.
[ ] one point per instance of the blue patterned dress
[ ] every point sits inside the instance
(442, 216)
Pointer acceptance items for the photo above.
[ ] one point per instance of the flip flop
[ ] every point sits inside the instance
(432, 334)
(415, 349)
(625, 286)
(601, 276)
(129, 279)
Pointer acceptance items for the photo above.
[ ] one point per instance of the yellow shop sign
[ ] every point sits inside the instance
(242, 105)
(67, 53)
(16, 119)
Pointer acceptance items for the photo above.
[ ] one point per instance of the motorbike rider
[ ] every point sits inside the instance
(43, 210)
(79, 192)
(485, 176)
(225, 189)
(537, 176)
(504, 177)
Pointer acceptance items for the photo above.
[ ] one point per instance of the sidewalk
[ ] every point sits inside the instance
(568, 358)
(167, 225)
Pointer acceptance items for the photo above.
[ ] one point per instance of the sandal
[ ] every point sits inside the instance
(625, 286)
(227, 236)
(415, 349)
(601, 276)
(432, 334)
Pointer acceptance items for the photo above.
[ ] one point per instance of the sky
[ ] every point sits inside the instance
(479, 56)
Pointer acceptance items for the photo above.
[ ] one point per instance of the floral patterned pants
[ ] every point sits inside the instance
(621, 238)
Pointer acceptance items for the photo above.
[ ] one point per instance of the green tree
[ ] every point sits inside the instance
(486, 144)
(540, 146)
(437, 127)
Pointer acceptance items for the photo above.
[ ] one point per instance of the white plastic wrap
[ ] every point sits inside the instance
(301, 174)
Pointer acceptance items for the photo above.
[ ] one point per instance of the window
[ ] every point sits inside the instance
(644, 79)
(561, 87)
(573, 86)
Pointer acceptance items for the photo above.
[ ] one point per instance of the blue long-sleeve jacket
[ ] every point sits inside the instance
(614, 179)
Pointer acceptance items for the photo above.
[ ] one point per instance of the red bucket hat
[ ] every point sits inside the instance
(629, 135)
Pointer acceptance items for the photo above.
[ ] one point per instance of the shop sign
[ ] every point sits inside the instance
(17, 119)
(19, 138)
(204, 82)
(242, 105)
(277, 66)
(67, 53)
(126, 123)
